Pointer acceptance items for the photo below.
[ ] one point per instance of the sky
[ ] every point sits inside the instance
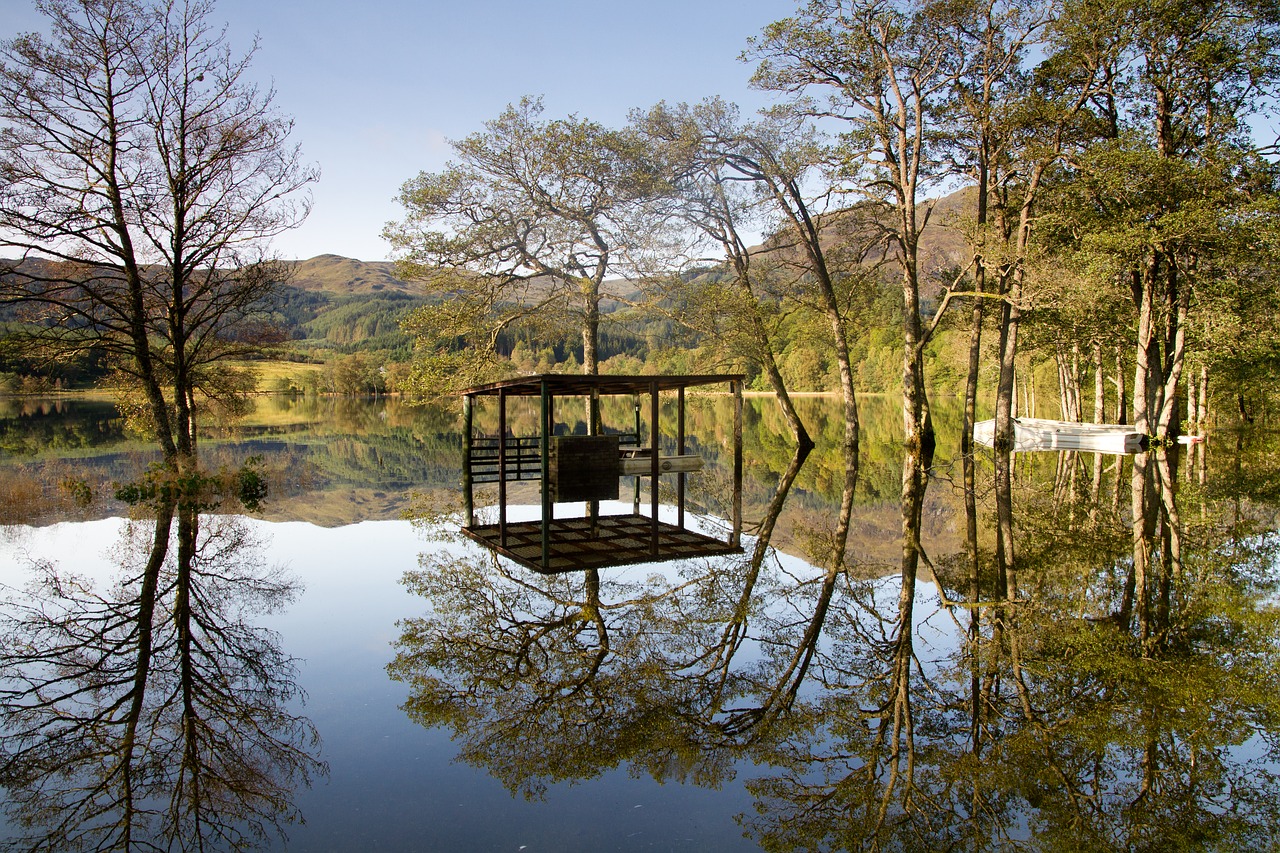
(378, 88)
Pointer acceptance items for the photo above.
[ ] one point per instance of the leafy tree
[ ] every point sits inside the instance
(521, 229)
(354, 375)
(1176, 188)
(710, 201)
(882, 69)
(712, 158)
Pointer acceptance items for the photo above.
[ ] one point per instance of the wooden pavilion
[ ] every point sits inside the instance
(587, 468)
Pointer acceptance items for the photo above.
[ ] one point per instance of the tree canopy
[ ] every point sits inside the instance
(522, 228)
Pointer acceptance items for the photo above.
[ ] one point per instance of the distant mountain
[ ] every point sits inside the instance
(942, 241)
(332, 304)
(341, 276)
(329, 274)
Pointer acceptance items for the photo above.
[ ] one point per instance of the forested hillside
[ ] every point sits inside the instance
(340, 316)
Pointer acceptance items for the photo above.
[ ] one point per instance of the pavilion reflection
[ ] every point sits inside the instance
(1102, 704)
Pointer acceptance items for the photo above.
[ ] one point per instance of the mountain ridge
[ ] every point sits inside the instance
(335, 274)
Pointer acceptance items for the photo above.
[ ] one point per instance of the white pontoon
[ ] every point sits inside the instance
(1040, 434)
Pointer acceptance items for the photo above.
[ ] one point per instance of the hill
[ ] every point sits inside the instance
(341, 276)
(331, 306)
(942, 242)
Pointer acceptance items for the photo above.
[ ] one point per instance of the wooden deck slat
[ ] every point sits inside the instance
(619, 540)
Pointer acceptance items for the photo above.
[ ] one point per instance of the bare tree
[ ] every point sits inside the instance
(141, 176)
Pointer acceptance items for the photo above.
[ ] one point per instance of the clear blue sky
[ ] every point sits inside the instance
(378, 87)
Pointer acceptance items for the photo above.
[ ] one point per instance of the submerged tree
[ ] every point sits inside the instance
(882, 70)
(141, 175)
(720, 171)
(711, 207)
(1174, 191)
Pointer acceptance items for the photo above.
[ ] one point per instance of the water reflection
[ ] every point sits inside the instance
(148, 711)
(1102, 685)
(898, 697)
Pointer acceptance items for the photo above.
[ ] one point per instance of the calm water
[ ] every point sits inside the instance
(435, 698)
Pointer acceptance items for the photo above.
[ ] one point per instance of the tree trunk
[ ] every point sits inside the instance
(1099, 386)
(1122, 394)
(1147, 349)
(1005, 557)
(968, 462)
(1202, 402)
(591, 328)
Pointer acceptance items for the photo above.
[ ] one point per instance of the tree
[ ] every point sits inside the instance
(141, 176)
(979, 132)
(522, 228)
(154, 715)
(712, 207)
(1177, 187)
(1169, 197)
(885, 69)
(720, 173)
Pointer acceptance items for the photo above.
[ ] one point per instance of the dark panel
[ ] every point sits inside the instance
(584, 468)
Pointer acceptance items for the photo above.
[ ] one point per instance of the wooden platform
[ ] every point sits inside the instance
(618, 540)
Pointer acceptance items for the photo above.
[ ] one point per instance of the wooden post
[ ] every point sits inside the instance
(735, 532)
(594, 428)
(502, 466)
(680, 478)
(469, 508)
(653, 465)
(545, 447)
(636, 507)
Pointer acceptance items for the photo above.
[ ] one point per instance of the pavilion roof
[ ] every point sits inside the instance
(571, 384)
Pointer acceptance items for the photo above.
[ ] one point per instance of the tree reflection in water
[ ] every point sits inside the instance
(152, 713)
(1127, 697)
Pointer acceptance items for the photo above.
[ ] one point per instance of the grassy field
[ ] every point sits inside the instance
(271, 373)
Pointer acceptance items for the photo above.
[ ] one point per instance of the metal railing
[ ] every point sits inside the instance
(523, 457)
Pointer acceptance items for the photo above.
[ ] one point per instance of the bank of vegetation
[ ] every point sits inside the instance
(1109, 252)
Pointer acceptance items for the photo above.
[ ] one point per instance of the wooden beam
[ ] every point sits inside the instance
(643, 465)
(469, 507)
(654, 444)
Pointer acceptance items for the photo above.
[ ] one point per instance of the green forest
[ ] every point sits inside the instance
(1070, 205)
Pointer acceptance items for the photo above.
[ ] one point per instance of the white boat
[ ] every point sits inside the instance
(1040, 434)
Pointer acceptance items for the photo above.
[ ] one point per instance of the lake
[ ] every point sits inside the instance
(341, 670)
